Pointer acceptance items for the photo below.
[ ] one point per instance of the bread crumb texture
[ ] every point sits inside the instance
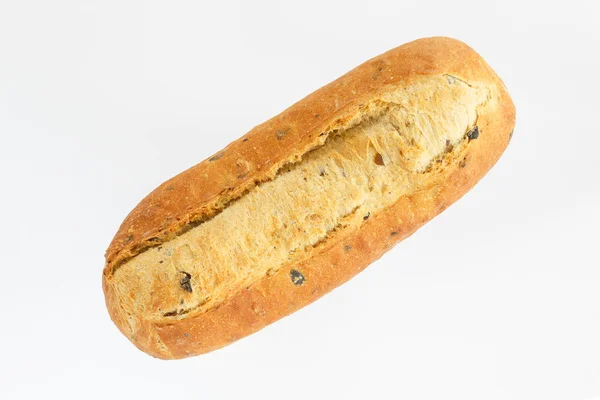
(404, 140)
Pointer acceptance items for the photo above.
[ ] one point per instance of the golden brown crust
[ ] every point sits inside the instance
(197, 193)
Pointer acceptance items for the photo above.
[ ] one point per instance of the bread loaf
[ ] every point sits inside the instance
(306, 200)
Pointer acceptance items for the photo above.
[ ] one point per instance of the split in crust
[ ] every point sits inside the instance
(307, 200)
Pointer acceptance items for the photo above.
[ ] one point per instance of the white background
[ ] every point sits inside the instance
(497, 298)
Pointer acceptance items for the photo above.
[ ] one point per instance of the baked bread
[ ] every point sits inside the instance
(306, 200)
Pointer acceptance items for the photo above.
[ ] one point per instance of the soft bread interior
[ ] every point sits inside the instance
(412, 136)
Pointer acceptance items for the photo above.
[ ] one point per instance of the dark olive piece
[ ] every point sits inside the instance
(297, 278)
(185, 282)
(473, 133)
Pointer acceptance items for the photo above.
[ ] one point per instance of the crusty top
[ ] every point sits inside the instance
(452, 119)
(203, 190)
